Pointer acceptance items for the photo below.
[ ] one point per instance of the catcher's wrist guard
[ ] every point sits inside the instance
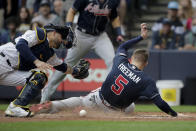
(118, 31)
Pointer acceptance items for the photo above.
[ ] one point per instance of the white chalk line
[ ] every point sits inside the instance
(117, 117)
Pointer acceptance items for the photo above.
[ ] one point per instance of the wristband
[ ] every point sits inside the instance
(118, 31)
(69, 24)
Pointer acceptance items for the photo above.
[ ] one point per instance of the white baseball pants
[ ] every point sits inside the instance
(11, 77)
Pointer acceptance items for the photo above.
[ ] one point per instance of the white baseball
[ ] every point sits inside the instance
(82, 113)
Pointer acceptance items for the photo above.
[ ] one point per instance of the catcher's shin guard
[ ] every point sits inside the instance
(31, 89)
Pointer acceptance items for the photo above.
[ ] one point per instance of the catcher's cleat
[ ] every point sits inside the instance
(17, 111)
(41, 108)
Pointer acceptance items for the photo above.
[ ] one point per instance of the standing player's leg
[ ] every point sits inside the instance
(34, 83)
(73, 56)
(104, 48)
(84, 45)
(54, 81)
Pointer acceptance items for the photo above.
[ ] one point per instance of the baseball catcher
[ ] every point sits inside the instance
(34, 49)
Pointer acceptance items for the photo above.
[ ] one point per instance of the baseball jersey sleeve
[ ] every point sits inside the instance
(113, 7)
(30, 36)
(162, 105)
(120, 58)
(121, 53)
(122, 49)
(24, 50)
(79, 5)
(24, 42)
(152, 93)
(113, 14)
(150, 90)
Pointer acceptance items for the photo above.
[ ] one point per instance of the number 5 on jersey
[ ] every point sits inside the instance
(118, 87)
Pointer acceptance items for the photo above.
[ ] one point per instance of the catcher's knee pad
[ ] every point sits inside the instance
(39, 80)
(31, 89)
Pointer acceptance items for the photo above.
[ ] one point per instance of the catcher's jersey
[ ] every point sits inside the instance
(39, 46)
(125, 83)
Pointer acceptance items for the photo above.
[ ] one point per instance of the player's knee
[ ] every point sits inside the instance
(130, 108)
(31, 89)
(39, 79)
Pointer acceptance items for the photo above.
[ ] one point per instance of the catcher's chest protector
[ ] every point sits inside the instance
(42, 51)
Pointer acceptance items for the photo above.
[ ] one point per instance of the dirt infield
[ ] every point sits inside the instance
(102, 116)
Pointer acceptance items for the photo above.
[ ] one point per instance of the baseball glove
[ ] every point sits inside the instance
(80, 70)
(71, 39)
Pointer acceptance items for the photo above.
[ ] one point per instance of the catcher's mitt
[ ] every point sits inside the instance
(80, 70)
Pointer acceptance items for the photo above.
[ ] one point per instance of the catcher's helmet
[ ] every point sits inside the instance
(66, 33)
(63, 30)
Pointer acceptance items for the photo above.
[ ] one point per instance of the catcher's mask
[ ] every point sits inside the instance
(63, 30)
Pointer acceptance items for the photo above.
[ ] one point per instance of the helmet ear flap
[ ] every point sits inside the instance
(49, 27)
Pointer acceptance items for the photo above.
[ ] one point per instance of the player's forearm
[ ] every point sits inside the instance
(128, 44)
(116, 22)
(159, 102)
(24, 50)
(69, 70)
(64, 68)
(70, 16)
(116, 25)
